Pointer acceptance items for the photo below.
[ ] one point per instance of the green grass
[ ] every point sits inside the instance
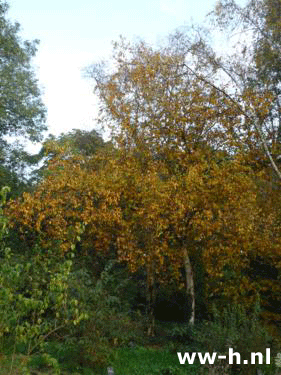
(148, 361)
(137, 361)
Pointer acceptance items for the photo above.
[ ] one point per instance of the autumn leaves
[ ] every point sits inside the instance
(176, 188)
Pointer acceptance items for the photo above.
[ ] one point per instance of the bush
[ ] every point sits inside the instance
(235, 328)
(35, 299)
(109, 323)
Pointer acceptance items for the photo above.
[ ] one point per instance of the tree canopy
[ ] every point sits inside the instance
(22, 113)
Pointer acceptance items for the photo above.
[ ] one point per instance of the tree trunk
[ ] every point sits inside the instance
(189, 285)
(150, 298)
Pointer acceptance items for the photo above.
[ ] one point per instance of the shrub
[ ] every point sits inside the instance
(236, 328)
(109, 323)
(35, 299)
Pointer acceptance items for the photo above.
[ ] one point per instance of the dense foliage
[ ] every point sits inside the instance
(22, 113)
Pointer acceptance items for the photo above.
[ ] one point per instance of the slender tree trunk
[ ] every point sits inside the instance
(189, 285)
(150, 297)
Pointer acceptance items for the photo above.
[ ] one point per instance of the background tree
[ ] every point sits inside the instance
(255, 70)
(22, 113)
(76, 142)
(252, 71)
(82, 142)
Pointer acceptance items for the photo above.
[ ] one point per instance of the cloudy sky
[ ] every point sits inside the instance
(74, 34)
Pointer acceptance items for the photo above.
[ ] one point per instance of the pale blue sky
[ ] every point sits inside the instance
(73, 34)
